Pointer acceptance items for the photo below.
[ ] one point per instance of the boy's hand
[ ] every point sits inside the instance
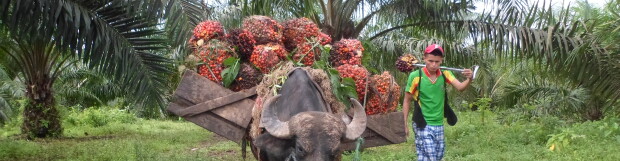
(468, 73)
(406, 131)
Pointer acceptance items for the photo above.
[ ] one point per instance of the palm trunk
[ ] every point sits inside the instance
(41, 118)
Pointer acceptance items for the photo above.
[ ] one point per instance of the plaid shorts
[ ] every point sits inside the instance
(429, 143)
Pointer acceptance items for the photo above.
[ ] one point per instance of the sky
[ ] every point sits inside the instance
(595, 3)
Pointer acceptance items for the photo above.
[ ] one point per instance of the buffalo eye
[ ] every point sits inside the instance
(299, 150)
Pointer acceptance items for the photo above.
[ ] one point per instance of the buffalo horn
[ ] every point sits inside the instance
(358, 124)
(272, 124)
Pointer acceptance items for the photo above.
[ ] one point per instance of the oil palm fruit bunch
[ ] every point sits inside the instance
(405, 63)
(211, 56)
(384, 94)
(206, 31)
(247, 78)
(374, 104)
(359, 74)
(306, 52)
(324, 39)
(264, 29)
(346, 51)
(242, 41)
(298, 31)
(267, 56)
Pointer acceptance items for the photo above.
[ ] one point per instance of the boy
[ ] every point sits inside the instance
(428, 90)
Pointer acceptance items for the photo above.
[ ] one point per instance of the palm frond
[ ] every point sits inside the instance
(9, 90)
(87, 88)
(181, 18)
(109, 35)
(515, 31)
(5, 111)
(553, 97)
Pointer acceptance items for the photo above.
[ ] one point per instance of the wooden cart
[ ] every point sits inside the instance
(213, 107)
(228, 113)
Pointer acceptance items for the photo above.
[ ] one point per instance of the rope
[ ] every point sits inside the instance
(291, 157)
(358, 146)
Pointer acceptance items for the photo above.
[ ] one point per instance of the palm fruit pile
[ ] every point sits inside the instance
(262, 44)
(300, 34)
(259, 44)
(247, 78)
(296, 31)
(346, 51)
(359, 74)
(267, 56)
(384, 94)
(206, 31)
(264, 29)
(405, 63)
(242, 41)
(212, 55)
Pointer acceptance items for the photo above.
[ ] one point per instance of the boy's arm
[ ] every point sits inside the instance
(462, 85)
(406, 102)
(409, 90)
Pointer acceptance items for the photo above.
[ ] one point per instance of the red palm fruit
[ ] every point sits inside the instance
(324, 39)
(247, 78)
(346, 51)
(208, 30)
(298, 31)
(384, 95)
(405, 63)
(212, 54)
(267, 56)
(278, 49)
(242, 42)
(193, 42)
(264, 29)
(359, 74)
(373, 105)
(306, 53)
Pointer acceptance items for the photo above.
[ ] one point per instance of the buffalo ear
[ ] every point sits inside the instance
(272, 144)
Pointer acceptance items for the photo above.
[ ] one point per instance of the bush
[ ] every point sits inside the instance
(97, 117)
(591, 140)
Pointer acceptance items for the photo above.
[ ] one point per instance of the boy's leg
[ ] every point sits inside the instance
(439, 141)
(425, 143)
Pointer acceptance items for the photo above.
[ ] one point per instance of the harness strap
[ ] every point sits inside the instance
(418, 117)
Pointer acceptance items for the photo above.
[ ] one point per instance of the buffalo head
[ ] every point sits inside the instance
(309, 135)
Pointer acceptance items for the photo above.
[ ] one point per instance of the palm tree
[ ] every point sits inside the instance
(348, 19)
(116, 37)
(84, 88)
(562, 48)
(8, 89)
(513, 31)
(575, 78)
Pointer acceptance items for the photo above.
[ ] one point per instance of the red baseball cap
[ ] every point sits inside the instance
(433, 47)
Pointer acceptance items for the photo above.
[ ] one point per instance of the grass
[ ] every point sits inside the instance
(527, 139)
(470, 139)
(142, 140)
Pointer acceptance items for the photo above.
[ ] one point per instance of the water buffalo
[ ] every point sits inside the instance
(300, 125)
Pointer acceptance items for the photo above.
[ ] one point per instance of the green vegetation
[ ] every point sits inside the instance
(110, 134)
(561, 61)
(547, 89)
(527, 139)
